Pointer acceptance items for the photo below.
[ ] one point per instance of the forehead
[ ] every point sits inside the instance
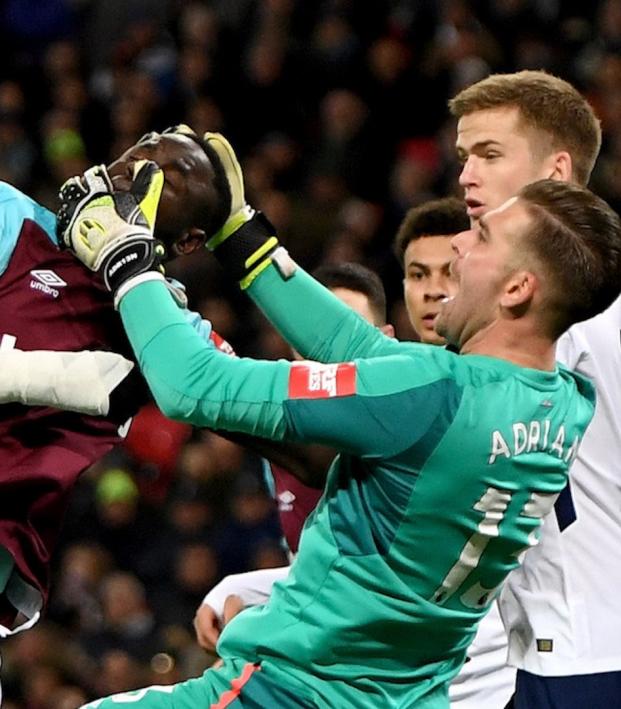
(429, 250)
(500, 125)
(356, 300)
(167, 149)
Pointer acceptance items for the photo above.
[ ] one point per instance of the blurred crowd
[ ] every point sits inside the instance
(337, 109)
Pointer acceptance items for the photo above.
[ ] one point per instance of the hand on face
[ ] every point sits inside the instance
(191, 208)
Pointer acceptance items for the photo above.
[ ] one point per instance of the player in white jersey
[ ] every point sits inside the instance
(561, 608)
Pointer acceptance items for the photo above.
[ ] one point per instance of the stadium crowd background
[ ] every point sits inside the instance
(338, 110)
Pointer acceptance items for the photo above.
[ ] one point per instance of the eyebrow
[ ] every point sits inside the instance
(478, 146)
(418, 264)
(425, 267)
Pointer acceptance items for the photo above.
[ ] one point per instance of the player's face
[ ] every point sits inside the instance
(360, 303)
(486, 256)
(189, 187)
(499, 157)
(427, 283)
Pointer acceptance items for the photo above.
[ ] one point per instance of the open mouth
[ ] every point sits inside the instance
(475, 208)
(429, 319)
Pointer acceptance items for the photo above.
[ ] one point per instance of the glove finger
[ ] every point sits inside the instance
(231, 166)
(73, 187)
(74, 193)
(180, 129)
(96, 180)
(147, 189)
(70, 196)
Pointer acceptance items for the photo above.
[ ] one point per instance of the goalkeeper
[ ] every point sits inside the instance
(448, 463)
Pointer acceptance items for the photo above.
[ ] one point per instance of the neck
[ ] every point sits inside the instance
(515, 341)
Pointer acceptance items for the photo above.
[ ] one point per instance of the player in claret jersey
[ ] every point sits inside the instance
(51, 302)
(433, 498)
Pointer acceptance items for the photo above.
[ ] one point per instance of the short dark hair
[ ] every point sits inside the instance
(439, 217)
(358, 278)
(546, 103)
(577, 237)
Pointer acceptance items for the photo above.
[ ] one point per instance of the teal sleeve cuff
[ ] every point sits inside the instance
(146, 310)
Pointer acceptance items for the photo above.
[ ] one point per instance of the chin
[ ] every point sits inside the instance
(432, 338)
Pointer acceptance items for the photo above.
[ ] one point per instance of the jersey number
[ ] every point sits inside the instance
(493, 504)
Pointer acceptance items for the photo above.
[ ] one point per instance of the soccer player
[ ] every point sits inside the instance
(561, 608)
(363, 291)
(433, 497)
(50, 302)
(423, 247)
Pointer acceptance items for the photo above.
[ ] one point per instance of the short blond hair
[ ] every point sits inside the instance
(546, 103)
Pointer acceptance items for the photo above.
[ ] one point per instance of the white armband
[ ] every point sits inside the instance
(73, 381)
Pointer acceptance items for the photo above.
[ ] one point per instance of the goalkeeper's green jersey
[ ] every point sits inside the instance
(448, 464)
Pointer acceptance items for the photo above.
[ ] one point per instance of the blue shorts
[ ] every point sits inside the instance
(597, 691)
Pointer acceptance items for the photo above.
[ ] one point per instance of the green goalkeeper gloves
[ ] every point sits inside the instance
(112, 232)
(246, 244)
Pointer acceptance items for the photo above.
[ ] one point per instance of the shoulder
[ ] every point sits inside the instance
(584, 386)
(409, 365)
(15, 207)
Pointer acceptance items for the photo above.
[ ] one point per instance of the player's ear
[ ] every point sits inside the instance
(191, 241)
(388, 330)
(519, 290)
(562, 166)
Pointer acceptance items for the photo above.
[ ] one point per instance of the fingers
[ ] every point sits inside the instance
(231, 166)
(96, 180)
(207, 627)
(147, 188)
(232, 606)
(180, 129)
(77, 192)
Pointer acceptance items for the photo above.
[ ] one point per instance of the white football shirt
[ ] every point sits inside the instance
(485, 681)
(562, 606)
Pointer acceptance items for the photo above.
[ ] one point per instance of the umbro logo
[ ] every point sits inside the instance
(285, 501)
(47, 282)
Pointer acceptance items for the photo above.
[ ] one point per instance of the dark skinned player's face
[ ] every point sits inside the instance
(189, 187)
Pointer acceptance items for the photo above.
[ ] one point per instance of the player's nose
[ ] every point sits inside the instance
(468, 175)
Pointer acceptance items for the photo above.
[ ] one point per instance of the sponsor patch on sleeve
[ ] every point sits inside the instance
(221, 344)
(311, 380)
